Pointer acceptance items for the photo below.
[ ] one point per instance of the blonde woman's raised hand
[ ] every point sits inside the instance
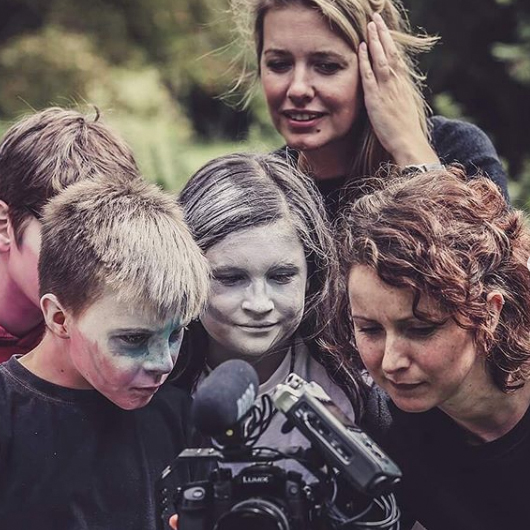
(389, 98)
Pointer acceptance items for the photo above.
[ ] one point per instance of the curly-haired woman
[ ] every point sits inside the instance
(437, 309)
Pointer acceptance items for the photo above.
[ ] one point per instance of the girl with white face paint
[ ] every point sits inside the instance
(262, 228)
(257, 296)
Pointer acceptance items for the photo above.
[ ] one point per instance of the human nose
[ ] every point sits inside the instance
(160, 359)
(257, 299)
(396, 356)
(301, 88)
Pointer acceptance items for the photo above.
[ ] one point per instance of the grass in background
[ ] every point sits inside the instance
(166, 152)
(169, 155)
(171, 166)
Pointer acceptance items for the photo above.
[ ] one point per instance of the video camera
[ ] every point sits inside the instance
(262, 495)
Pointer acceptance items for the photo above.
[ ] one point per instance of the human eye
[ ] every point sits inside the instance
(283, 277)
(328, 68)
(229, 279)
(423, 331)
(370, 329)
(278, 65)
(176, 335)
(133, 339)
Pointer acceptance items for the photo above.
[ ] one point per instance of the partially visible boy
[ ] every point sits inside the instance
(40, 156)
(85, 428)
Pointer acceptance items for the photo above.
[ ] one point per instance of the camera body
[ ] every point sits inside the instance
(264, 496)
(261, 496)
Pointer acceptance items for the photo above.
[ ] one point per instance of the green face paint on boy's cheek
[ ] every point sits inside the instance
(123, 355)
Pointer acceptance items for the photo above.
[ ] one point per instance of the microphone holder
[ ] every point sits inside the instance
(233, 439)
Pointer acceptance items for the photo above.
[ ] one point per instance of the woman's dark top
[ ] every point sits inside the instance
(453, 141)
(449, 484)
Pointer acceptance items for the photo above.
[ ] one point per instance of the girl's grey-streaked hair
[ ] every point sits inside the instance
(125, 235)
(242, 191)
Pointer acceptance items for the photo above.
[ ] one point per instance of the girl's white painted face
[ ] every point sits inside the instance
(121, 352)
(258, 289)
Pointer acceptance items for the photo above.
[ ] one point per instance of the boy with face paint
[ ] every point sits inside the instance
(39, 156)
(85, 428)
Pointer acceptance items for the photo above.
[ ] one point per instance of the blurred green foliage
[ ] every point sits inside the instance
(481, 71)
(156, 69)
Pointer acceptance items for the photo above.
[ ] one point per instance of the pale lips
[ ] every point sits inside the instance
(261, 325)
(146, 389)
(302, 116)
(405, 386)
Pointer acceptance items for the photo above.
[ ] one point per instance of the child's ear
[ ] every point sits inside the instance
(55, 316)
(5, 227)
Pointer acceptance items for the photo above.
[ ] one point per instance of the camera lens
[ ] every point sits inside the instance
(258, 514)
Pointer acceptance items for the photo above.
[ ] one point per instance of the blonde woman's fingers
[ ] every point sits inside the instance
(387, 42)
(380, 63)
(365, 68)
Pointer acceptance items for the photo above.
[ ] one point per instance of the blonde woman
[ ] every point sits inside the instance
(342, 89)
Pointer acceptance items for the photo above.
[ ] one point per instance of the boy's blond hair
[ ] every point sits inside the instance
(125, 235)
(45, 152)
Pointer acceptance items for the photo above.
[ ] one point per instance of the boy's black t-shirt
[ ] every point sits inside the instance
(71, 459)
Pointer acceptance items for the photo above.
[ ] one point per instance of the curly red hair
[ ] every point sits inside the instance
(454, 241)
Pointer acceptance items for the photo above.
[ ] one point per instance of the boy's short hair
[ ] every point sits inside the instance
(51, 149)
(125, 235)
